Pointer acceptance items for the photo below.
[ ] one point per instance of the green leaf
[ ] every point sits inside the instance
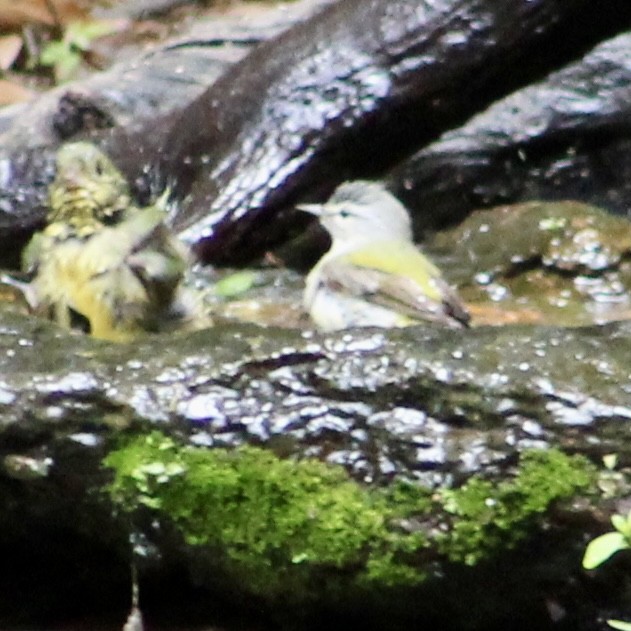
(67, 66)
(235, 284)
(53, 52)
(619, 523)
(623, 525)
(62, 58)
(600, 549)
(65, 55)
(619, 624)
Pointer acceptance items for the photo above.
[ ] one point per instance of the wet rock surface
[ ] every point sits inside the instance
(244, 383)
(563, 263)
(422, 405)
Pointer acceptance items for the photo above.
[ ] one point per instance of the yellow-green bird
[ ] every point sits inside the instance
(373, 274)
(102, 259)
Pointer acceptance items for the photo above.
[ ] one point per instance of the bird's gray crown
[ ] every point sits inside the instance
(361, 208)
(361, 192)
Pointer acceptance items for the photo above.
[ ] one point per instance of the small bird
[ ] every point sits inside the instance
(102, 261)
(373, 274)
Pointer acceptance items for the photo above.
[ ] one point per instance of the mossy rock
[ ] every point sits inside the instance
(304, 531)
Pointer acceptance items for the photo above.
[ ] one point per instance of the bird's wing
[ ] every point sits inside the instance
(41, 243)
(156, 256)
(32, 254)
(400, 278)
(141, 243)
(145, 231)
(141, 228)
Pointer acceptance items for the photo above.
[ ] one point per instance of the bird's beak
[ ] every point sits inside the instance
(314, 209)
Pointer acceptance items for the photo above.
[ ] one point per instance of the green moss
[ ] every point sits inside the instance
(274, 523)
(488, 517)
(280, 527)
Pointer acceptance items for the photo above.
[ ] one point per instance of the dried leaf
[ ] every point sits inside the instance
(13, 92)
(10, 47)
(14, 13)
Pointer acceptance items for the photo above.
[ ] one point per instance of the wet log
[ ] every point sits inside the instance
(154, 83)
(566, 137)
(349, 93)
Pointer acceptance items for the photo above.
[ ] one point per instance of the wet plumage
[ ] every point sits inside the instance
(101, 260)
(88, 189)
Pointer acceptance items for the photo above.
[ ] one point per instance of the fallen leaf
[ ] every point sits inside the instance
(235, 284)
(10, 47)
(13, 92)
(17, 13)
(490, 315)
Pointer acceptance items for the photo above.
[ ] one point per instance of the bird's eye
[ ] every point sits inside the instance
(344, 214)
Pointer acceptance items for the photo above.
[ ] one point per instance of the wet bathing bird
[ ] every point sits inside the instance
(101, 260)
(373, 274)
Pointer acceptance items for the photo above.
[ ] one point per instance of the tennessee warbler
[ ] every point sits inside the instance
(114, 264)
(373, 274)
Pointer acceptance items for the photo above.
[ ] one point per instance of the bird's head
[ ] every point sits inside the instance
(87, 186)
(362, 211)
